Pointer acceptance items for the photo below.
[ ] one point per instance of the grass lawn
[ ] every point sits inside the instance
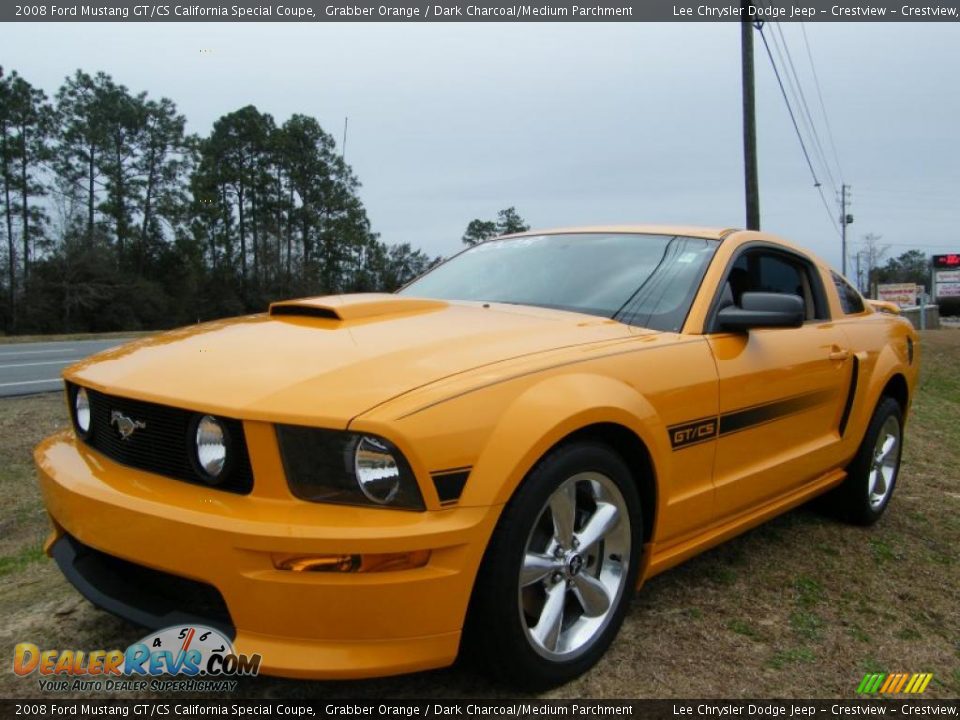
(800, 607)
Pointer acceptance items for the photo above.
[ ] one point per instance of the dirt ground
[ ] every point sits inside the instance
(801, 607)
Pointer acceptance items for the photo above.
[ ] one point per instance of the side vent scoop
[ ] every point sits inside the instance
(354, 307)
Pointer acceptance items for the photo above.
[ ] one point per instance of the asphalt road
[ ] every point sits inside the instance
(27, 368)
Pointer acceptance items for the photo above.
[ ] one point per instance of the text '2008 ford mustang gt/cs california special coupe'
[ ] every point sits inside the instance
(494, 457)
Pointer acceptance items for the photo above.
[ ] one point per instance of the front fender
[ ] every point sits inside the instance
(547, 412)
(502, 430)
(498, 425)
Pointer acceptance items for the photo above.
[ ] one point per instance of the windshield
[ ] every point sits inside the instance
(646, 280)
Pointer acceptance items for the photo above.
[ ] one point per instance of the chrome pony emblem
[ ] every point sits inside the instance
(125, 426)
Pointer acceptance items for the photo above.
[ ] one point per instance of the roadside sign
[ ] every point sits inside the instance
(903, 294)
(946, 275)
(948, 261)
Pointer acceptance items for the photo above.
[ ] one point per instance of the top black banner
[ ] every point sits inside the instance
(481, 11)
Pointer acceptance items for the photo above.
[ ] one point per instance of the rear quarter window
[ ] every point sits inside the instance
(850, 300)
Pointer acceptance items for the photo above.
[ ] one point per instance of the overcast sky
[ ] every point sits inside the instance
(571, 123)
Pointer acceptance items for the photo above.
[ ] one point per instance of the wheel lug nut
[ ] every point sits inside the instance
(576, 543)
(557, 577)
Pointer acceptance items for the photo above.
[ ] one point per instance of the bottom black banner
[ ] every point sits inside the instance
(586, 709)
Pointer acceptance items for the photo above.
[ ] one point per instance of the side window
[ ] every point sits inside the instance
(850, 300)
(778, 276)
(774, 272)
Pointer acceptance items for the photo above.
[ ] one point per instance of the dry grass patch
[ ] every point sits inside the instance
(23, 422)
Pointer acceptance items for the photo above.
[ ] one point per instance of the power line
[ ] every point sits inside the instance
(801, 98)
(806, 116)
(789, 71)
(823, 107)
(793, 118)
(796, 128)
(788, 78)
(826, 206)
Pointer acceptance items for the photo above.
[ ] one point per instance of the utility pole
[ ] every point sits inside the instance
(751, 183)
(845, 219)
(343, 146)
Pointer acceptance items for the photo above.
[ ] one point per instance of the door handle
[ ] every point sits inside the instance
(839, 354)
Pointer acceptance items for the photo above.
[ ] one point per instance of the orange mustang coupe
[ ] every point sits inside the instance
(493, 458)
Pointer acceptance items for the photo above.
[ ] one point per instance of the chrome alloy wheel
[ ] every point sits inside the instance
(575, 563)
(883, 467)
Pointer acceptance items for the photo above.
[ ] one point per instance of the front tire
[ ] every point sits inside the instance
(559, 572)
(872, 476)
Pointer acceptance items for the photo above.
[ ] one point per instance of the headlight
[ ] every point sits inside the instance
(342, 467)
(81, 411)
(211, 439)
(378, 473)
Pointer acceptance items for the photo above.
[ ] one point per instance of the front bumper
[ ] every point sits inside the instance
(316, 625)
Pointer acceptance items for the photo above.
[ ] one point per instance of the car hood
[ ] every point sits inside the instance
(323, 361)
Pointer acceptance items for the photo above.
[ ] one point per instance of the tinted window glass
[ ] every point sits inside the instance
(642, 279)
(850, 300)
(773, 272)
(757, 272)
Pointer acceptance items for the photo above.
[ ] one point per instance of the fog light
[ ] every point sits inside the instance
(374, 562)
(319, 563)
(81, 405)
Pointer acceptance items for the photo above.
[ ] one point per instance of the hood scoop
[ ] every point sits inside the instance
(354, 307)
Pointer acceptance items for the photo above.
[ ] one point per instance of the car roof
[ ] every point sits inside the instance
(684, 230)
(733, 235)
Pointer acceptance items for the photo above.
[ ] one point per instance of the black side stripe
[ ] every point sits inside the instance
(851, 394)
(749, 417)
(695, 432)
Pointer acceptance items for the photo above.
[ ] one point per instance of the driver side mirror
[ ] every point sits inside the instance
(762, 310)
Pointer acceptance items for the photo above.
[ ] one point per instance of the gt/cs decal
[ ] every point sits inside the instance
(697, 431)
(692, 432)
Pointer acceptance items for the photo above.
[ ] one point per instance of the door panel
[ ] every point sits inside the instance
(782, 393)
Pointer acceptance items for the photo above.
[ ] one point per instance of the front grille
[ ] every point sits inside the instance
(164, 443)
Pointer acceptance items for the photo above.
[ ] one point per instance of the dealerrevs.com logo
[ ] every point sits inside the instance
(198, 659)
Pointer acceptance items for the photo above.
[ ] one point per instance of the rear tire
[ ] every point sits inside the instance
(872, 476)
(560, 570)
